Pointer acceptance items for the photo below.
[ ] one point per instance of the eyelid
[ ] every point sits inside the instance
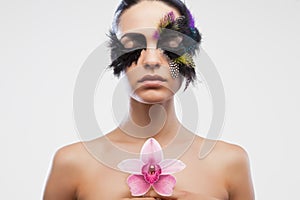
(171, 35)
(138, 40)
(170, 41)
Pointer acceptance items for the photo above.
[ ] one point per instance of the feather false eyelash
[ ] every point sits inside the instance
(183, 26)
(181, 59)
(186, 59)
(120, 56)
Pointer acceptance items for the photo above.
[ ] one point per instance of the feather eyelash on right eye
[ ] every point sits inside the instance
(181, 57)
(182, 25)
(186, 59)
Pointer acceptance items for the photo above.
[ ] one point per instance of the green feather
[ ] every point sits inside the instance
(185, 59)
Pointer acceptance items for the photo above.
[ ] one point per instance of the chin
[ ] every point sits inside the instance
(152, 96)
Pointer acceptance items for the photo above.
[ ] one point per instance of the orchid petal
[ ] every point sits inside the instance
(170, 166)
(164, 186)
(132, 166)
(151, 152)
(138, 185)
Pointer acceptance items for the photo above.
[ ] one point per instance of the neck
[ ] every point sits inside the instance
(151, 120)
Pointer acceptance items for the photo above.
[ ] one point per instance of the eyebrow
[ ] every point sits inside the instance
(131, 35)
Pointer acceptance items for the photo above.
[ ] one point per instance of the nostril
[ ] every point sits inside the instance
(151, 58)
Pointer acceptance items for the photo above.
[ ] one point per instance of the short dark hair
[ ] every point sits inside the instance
(177, 4)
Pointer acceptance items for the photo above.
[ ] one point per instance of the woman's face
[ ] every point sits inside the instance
(149, 78)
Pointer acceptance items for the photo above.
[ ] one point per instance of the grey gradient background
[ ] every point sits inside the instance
(254, 45)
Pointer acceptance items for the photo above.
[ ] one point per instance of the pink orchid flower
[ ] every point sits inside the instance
(151, 170)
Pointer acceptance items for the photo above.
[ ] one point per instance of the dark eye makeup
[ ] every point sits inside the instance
(170, 41)
(167, 41)
(133, 41)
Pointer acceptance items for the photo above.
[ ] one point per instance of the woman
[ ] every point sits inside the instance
(148, 41)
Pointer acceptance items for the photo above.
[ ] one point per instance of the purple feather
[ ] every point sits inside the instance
(171, 16)
(192, 20)
(156, 35)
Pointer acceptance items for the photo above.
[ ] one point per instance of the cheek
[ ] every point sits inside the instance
(133, 74)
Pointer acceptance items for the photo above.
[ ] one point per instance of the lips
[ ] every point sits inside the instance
(152, 78)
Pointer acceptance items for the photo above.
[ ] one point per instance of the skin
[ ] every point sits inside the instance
(223, 174)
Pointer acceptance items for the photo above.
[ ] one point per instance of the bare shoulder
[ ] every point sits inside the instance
(229, 158)
(70, 156)
(230, 162)
(220, 151)
(66, 168)
(233, 160)
(231, 154)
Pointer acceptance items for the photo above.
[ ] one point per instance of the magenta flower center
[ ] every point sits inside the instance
(151, 173)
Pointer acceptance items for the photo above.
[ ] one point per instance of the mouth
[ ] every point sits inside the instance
(152, 81)
(152, 78)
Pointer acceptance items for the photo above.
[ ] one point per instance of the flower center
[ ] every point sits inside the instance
(151, 172)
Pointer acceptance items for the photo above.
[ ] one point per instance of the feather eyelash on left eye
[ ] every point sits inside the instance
(133, 41)
(120, 56)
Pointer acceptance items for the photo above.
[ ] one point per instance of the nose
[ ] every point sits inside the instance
(152, 58)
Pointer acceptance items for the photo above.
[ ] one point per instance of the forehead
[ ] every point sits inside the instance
(146, 14)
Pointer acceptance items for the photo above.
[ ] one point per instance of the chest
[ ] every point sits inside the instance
(105, 183)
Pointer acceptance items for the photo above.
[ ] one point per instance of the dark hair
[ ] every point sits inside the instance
(121, 61)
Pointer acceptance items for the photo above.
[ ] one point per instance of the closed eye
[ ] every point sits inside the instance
(133, 41)
(170, 41)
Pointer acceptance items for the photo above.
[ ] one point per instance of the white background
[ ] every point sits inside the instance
(254, 45)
